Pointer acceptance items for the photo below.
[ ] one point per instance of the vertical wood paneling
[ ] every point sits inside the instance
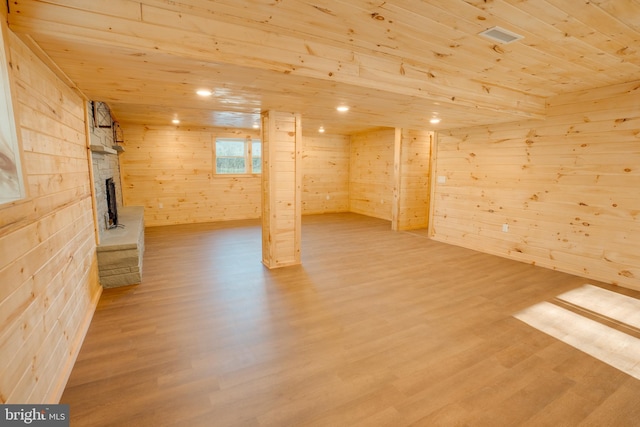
(48, 274)
(371, 173)
(412, 167)
(170, 171)
(325, 180)
(281, 188)
(567, 187)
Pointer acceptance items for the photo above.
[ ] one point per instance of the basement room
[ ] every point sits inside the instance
(320, 213)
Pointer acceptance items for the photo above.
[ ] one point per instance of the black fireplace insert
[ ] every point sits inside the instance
(112, 205)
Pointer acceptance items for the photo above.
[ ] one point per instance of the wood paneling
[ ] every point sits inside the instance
(566, 186)
(325, 178)
(394, 56)
(412, 159)
(48, 274)
(394, 62)
(170, 171)
(281, 188)
(174, 167)
(371, 177)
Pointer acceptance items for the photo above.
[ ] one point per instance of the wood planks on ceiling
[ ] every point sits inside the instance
(375, 56)
(190, 36)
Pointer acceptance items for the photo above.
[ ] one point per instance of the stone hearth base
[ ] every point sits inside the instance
(121, 249)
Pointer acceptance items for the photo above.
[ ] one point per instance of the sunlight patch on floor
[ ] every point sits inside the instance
(610, 304)
(611, 346)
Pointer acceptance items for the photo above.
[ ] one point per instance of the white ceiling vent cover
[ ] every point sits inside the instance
(500, 35)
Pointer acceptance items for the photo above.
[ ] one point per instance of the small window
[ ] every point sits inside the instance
(256, 156)
(238, 156)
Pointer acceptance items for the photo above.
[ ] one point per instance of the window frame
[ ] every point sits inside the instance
(10, 138)
(248, 156)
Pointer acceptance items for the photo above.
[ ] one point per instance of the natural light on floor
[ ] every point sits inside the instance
(605, 343)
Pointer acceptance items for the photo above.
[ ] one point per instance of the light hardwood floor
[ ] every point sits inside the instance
(375, 328)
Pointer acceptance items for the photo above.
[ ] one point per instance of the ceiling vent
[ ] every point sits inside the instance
(500, 35)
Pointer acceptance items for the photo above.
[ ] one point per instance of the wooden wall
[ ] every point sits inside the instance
(48, 271)
(411, 175)
(567, 187)
(325, 169)
(174, 167)
(170, 171)
(371, 177)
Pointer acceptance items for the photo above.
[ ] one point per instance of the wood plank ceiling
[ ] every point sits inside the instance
(394, 63)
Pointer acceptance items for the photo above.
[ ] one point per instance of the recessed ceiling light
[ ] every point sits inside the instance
(321, 130)
(343, 108)
(204, 92)
(256, 126)
(434, 121)
(175, 121)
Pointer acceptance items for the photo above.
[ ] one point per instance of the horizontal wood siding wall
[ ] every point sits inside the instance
(413, 179)
(170, 171)
(281, 186)
(48, 271)
(325, 179)
(371, 173)
(567, 187)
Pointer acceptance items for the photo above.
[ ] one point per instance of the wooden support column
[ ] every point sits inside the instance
(281, 188)
(411, 180)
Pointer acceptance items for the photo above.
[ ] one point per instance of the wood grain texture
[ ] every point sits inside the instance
(566, 186)
(375, 327)
(412, 187)
(281, 188)
(48, 274)
(173, 167)
(397, 61)
(369, 53)
(325, 174)
(371, 174)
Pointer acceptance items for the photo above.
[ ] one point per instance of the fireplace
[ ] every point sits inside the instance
(112, 204)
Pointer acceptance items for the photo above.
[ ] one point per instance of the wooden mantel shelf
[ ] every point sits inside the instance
(99, 148)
